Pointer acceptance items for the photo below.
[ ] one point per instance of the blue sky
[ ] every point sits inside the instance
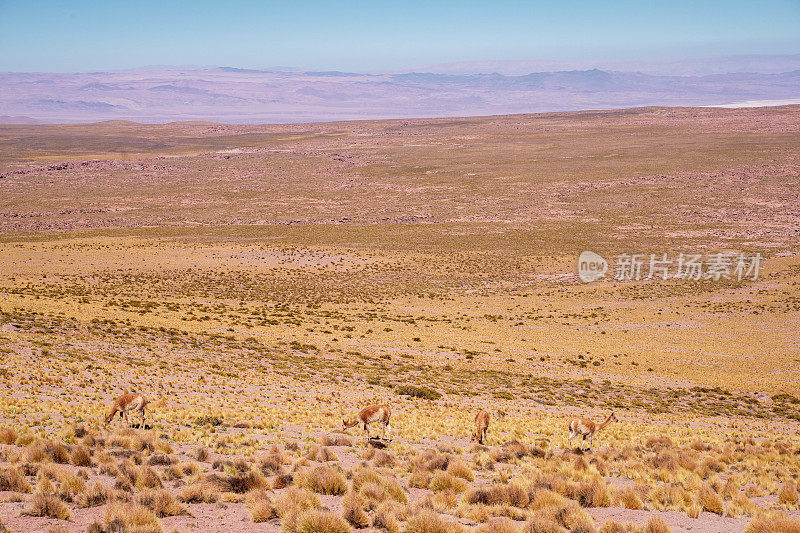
(68, 36)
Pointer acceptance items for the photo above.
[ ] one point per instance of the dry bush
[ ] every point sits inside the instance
(385, 519)
(272, 464)
(48, 505)
(431, 460)
(567, 516)
(353, 510)
(671, 498)
(131, 518)
(261, 507)
(321, 521)
(146, 478)
(239, 482)
(376, 488)
(427, 521)
(445, 481)
(202, 454)
(461, 469)
(773, 523)
(323, 479)
(615, 527)
(542, 498)
(511, 494)
(294, 501)
(161, 459)
(592, 493)
(336, 440)
(542, 524)
(420, 479)
(321, 454)
(656, 525)
(788, 495)
(96, 495)
(381, 458)
(710, 501)
(202, 492)
(161, 503)
(12, 479)
(281, 481)
(498, 525)
(80, 456)
(661, 441)
(8, 436)
(46, 450)
(627, 498)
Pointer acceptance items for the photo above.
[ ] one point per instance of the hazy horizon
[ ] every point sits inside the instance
(80, 36)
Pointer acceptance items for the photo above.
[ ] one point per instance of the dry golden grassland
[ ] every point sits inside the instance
(259, 284)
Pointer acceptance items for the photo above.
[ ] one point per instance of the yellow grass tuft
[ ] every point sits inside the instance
(48, 505)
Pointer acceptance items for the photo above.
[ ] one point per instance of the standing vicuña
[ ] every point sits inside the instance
(130, 401)
(481, 426)
(371, 415)
(586, 428)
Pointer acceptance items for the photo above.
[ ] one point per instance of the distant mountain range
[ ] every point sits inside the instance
(227, 94)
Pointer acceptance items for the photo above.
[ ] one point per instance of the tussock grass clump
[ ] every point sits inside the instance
(321, 521)
(627, 498)
(321, 454)
(510, 494)
(336, 440)
(8, 436)
(48, 505)
(294, 501)
(323, 479)
(426, 393)
(46, 450)
(131, 518)
(444, 481)
(161, 503)
(12, 479)
(498, 525)
(385, 519)
(383, 459)
(96, 495)
(239, 482)
(147, 478)
(710, 501)
(460, 468)
(656, 525)
(272, 463)
(431, 460)
(353, 510)
(788, 496)
(80, 456)
(202, 492)
(261, 507)
(592, 493)
(427, 521)
(202, 454)
(773, 523)
(161, 459)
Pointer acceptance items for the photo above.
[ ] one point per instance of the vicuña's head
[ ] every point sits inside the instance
(349, 422)
(108, 417)
(474, 437)
(613, 417)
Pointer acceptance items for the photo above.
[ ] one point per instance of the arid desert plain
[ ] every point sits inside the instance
(259, 284)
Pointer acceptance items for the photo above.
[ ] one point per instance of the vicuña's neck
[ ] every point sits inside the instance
(604, 424)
